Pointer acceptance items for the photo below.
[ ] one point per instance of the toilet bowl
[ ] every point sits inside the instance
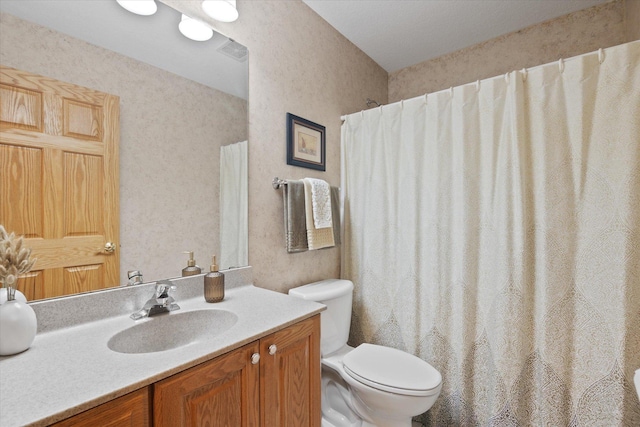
(369, 385)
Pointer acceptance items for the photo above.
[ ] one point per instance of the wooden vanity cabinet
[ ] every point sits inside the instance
(290, 376)
(273, 382)
(221, 392)
(132, 409)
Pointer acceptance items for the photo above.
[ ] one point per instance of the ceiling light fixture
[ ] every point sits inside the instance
(194, 29)
(139, 7)
(221, 10)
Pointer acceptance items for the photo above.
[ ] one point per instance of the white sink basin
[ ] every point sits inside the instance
(172, 330)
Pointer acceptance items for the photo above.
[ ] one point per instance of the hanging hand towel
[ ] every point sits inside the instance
(317, 238)
(295, 227)
(335, 214)
(320, 202)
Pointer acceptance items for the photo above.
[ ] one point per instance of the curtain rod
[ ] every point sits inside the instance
(524, 71)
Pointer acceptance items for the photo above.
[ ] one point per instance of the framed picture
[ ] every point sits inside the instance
(305, 143)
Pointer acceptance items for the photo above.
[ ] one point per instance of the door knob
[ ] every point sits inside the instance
(272, 349)
(109, 248)
(255, 358)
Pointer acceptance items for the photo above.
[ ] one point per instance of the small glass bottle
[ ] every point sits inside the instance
(214, 283)
(191, 269)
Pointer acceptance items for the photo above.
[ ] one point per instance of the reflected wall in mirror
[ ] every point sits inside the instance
(172, 126)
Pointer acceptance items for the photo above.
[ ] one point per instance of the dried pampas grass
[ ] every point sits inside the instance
(14, 259)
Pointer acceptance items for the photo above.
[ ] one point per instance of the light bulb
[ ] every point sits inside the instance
(139, 7)
(221, 10)
(194, 29)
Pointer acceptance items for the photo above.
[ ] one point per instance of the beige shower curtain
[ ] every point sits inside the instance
(494, 231)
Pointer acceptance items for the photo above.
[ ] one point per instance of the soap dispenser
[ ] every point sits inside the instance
(214, 284)
(191, 269)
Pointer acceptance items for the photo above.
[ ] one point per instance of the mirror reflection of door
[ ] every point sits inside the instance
(59, 181)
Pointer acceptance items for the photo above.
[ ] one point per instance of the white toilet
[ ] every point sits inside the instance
(369, 385)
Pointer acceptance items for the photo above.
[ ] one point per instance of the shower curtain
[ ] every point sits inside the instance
(494, 231)
(234, 231)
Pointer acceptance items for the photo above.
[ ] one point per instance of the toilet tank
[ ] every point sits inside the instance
(335, 321)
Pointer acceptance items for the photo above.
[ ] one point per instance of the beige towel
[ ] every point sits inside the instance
(320, 202)
(295, 227)
(317, 238)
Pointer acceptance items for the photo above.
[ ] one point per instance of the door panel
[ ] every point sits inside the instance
(221, 392)
(59, 183)
(24, 171)
(131, 410)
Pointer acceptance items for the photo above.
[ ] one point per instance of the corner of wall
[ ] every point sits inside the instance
(632, 20)
(579, 32)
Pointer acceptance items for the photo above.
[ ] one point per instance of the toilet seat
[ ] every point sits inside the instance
(391, 370)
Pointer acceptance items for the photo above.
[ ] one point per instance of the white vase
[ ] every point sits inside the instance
(18, 327)
(18, 295)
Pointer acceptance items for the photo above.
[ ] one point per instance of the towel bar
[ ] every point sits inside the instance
(278, 183)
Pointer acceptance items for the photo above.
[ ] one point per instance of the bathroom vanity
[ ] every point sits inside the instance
(239, 388)
(239, 376)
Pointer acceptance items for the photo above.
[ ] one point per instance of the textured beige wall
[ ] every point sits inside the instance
(632, 19)
(298, 63)
(170, 132)
(573, 34)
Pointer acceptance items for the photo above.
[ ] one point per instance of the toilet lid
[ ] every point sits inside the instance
(391, 370)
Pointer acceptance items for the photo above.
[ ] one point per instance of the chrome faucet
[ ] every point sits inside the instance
(161, 302)
(135, 277)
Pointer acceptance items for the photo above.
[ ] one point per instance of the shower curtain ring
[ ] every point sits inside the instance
(524, 74)
(561, 65)
(600, 55)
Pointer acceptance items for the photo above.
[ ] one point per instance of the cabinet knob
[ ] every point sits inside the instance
(255, 358)
(272, 349)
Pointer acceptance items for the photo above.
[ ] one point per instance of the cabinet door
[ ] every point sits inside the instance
(221, 392)
(290, 376)
(129, 410)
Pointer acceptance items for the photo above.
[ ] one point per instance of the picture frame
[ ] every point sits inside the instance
(306, 143)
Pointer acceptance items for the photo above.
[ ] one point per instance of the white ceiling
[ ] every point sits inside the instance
(394, 33)
(400, 33)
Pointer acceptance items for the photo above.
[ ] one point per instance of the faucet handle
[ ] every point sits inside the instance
(163, 287)
(135, 277)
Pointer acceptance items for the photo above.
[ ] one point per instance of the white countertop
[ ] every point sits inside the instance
(69, 370)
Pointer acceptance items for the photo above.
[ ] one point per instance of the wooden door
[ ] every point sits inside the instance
(132, 409)
(59, 181)
(222, 392)
(290, 376)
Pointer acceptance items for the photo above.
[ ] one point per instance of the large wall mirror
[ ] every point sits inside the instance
(183, 124)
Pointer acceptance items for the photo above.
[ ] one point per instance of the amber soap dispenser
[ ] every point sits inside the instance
(191, 269)
(214, 283)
